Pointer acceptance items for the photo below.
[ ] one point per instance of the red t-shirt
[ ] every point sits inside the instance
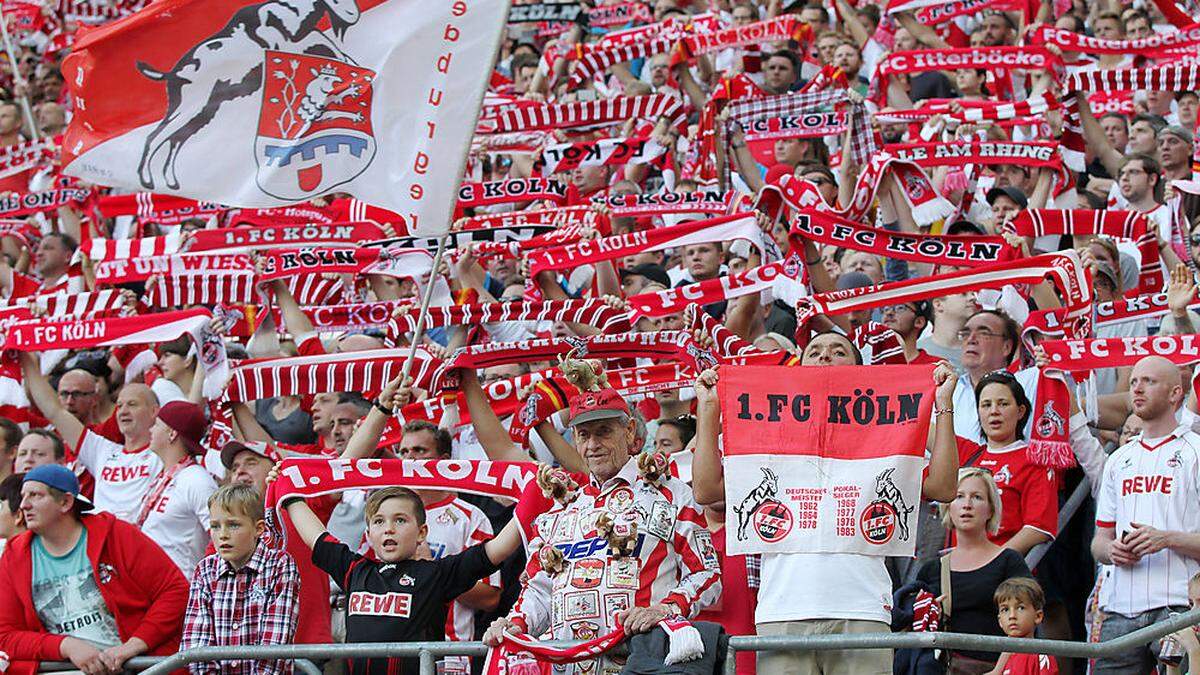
(1028, 492)
(735, 608)
(1030, 664)
(923, 357)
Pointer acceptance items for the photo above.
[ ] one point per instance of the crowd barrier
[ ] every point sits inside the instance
(428, 652)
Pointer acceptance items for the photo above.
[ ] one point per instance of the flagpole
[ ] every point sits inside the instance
(437, 258)
(18, 78)
(420, 329)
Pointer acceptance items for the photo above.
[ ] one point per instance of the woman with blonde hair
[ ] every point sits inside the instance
(975, 567)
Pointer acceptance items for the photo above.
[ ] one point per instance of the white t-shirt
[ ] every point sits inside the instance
(802, 586)
(122, 478)
(1151, 482)
(454, 526)
(179, 520)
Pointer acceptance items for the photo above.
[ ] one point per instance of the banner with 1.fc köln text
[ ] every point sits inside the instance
(824, 460)
(262, 104)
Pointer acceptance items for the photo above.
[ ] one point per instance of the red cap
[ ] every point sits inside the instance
(233, 448)
(589, 406)
(187, 419)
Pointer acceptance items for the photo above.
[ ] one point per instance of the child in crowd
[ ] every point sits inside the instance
(247, 593)
(395, 597)
(1019, 602)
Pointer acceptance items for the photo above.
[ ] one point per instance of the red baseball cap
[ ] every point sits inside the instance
(188, 420)
(235, 447)
(589, 406)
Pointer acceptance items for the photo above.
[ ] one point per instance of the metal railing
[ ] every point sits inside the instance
(427, 652)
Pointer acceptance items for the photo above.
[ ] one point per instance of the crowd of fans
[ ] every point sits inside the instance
(132, 504)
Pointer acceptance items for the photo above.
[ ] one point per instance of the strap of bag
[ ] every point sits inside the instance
(945, 560)
(974, 457)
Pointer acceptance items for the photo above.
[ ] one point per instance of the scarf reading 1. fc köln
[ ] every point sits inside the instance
(142, 329)
(285, 263)
(952, 250)
(559, 157)
(728, 287)
(471, 195)
(24, 156)
(246, 239)
(1050, 442)
(1062, 268)
(1129, 225)
(935, 12)
(711, 201)
(724, 228)
(580, 214)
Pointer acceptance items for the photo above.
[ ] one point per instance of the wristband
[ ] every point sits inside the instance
(386, 411)
(943, 411)
(288, 501)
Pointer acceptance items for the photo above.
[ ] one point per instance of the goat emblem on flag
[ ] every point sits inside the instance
(314, 126)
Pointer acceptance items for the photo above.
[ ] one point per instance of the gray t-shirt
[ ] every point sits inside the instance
(951, 354)
(66, 597)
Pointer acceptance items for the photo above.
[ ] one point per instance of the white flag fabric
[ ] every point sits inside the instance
(278, 102)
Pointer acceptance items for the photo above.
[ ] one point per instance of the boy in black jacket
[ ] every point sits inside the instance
(395, 598)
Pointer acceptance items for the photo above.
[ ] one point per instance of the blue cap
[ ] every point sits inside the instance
(60, 478)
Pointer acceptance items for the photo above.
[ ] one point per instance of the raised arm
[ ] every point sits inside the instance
(365, 441)
(942, 481)
(46, 399)
(708, 474)
(491, 433)
(1093, 135)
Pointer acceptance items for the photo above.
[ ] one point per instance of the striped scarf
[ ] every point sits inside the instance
(1128, 225)
(1175, 77)
(587, 113)
(593, 312)
(365, 371)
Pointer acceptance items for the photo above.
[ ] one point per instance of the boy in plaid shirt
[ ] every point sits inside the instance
(247, 593)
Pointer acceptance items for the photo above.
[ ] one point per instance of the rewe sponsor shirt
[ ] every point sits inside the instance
(178, 519)
(397, 602)
(122, 477)
(1154, 482)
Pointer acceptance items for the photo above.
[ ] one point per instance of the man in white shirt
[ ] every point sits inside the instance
(1147, 523)
(123, 471)
(174, 511)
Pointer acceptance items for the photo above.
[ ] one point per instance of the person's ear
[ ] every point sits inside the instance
(422, 534)
(260, 527)
(1037, 618)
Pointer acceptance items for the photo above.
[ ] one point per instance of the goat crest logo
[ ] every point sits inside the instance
(1050, 423)
(772, 520)
(314, 127)
(888, 514)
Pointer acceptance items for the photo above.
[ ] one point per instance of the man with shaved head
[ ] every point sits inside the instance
(123, 471)
(1147, 523)
(78, 391)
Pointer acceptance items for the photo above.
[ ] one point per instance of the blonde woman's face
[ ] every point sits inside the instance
(972, 506)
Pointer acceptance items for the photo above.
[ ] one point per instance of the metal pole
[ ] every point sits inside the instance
(18, 78)
(420, 329)
(427, 665)
(1068, 510)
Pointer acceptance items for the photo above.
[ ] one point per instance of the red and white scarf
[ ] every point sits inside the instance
(1062, 268)
(592, 312)
(1032, 154)
(24, 156)
(1129, 225)
(1175, 77)
(165, 209)
(724, 228)
(580, 214)
(609, 152)
(588, 113)
(1050, 442)
(937, 12)
(208, 289)
(363, 371)
(122, 271)
(986, 58)
(1070, 41)
(395, 262)
(975, 111)
(40, 202)
(811, 125)
(90, 305)
(953, 250)
(246, 239)
(659, 346)
(472, 195)
(522, 654)
(142, 329)
(734, 285)
(711, 201)
(100, 249)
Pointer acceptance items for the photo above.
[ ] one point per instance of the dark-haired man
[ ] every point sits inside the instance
(990, 339)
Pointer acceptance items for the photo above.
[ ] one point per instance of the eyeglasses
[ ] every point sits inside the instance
(71, 395)
(981, 333)
(896, 309)
(1194, 239)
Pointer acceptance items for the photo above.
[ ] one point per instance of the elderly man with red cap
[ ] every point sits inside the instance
(174, 511)
(626, 546)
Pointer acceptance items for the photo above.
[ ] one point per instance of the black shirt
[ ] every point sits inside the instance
(972, 609)
(397, 602)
